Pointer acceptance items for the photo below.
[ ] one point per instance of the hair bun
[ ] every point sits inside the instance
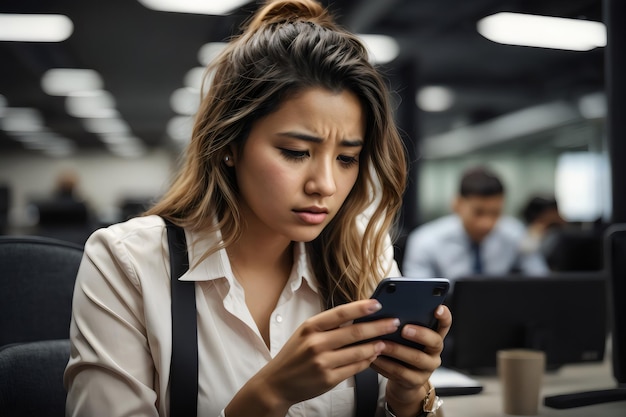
(290, 10)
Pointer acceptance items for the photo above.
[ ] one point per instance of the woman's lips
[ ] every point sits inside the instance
(312, 215)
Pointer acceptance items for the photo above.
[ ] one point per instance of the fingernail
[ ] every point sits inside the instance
(439, 310)
(409, 331)
(374, 307)
(379, 347)
(396, 323)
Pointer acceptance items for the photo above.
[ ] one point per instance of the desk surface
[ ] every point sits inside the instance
(568, 379)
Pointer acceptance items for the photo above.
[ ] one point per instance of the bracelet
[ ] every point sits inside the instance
(431, 402)
(430, 405)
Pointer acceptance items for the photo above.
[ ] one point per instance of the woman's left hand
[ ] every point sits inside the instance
(405, 387)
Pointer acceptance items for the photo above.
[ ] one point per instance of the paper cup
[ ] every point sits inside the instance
(521, 372)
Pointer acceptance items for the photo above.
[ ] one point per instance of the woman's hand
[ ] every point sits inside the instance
(321, 353)
(405, 388)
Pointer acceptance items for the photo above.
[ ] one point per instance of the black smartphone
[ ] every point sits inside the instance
(412, 300)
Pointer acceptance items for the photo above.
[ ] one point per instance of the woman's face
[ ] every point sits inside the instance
(300, 163)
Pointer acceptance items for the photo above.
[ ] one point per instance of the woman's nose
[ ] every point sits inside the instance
(321, 179)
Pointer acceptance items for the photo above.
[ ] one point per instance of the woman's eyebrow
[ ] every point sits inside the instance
(315, 139)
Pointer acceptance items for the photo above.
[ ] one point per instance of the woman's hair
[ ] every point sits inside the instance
(289, 46)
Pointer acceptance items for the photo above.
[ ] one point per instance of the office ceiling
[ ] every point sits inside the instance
(143, 56)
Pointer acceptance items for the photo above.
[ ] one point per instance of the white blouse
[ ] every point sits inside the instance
(121, 327)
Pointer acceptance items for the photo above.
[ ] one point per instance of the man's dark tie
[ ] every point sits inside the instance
(477, 260)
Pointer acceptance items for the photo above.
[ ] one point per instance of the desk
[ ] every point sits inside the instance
(568, 379)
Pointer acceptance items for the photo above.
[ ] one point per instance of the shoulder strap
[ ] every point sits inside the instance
(365, 387)
(184, 365)
(366, 392)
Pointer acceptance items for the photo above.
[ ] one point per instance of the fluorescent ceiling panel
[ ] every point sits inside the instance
(65, 81)
(543, 31)
(381, 48)
(434, 98)
(35, 27)
(211, 7)
(91, 104)
(106, 125)
(209, 51)
(185, 101)
(22, 119)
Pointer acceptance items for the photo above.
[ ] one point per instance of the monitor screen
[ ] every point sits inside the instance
(564, 315)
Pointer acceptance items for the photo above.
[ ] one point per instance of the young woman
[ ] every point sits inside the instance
(293, 143)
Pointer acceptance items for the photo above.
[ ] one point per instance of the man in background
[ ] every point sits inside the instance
(476, 240)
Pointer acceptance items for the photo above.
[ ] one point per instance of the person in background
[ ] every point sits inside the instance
(66, 186)
(476, 240)
(542, 218)
(291, 137)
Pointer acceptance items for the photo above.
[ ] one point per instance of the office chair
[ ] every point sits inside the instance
(31, 378)
(37, 277)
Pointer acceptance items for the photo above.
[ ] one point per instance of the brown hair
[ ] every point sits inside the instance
(287, 47)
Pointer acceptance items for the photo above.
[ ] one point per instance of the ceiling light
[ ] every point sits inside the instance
(91, 104)
(209, 51)
(22, 119)
(194, 77)
(543, 31)
(180, 128)
(132, 149)
(117, 139)
(106, 125)
(434, 98)
(219, 7)
(35, 27)
(48, 142)
(381, 48)
(65, 81)
(593, 106)
(185, 101)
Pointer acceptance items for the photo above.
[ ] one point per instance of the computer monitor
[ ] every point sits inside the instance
(615, 257)
(564, 315)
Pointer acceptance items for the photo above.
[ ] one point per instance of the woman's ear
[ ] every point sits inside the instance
(231, 156)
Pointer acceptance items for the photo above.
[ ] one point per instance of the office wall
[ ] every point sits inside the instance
(522, 175)
(105, 180)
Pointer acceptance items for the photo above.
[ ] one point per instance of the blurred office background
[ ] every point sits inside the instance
(107, 90)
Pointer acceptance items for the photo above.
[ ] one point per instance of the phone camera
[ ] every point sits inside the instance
(438, 291)
(391, 288)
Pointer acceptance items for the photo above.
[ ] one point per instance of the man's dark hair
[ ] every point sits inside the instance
(480, 182)
(537, 206)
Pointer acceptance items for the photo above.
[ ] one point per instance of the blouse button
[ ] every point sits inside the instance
(279, 318)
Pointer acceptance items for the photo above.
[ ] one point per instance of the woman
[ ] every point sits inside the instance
(291, 141)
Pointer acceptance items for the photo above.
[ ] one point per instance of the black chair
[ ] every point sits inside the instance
(31, 378)
(37, 278)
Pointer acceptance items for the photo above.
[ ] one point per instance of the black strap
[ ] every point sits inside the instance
(366, 393)
(184, 366)
(365, 385)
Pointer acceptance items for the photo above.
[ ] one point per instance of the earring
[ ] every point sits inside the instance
(227, 158)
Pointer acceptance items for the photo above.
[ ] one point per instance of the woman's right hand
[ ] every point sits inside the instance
(321, 353)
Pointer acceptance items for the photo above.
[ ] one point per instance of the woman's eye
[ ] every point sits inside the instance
(292, 154)
(348, 160)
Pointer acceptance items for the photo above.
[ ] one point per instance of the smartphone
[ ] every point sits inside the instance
(412, 300)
